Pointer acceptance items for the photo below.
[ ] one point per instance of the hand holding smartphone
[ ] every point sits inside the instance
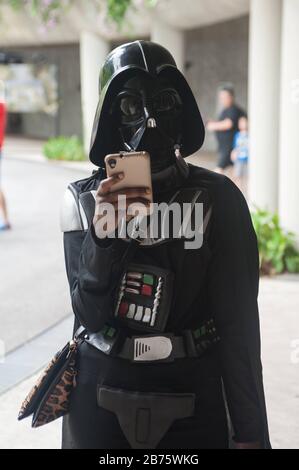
(136, 168)
(128, 174)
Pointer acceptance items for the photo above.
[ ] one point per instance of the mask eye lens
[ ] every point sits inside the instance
(167, 100)
(131, 106)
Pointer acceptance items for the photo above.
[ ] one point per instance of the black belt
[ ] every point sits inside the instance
(158, 348)
(153, 348)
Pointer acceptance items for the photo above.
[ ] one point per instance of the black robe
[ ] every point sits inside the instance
(219, 280)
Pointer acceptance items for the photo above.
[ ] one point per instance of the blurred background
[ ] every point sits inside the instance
(50, 56)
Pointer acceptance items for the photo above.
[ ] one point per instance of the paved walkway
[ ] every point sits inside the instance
(279, 303)
(34, 295)
(279, 316)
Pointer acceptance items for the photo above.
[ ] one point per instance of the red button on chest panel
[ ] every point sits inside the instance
(123, 308)
(146, 290)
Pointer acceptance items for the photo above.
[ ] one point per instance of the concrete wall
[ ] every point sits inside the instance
(69, 118)
(215, 54)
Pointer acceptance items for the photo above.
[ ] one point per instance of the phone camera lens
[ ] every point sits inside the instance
(112, 163)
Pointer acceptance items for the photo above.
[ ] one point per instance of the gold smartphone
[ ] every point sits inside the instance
(136, 167)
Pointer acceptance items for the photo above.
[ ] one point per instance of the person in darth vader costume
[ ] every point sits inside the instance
(171, 357)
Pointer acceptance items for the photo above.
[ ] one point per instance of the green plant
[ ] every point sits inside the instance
(277, 248)
(64, 148)
(117, 9)
(49, 12)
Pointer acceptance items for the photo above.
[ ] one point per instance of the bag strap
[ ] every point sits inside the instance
(80, 332)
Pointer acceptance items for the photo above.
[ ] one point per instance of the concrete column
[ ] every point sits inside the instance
(289, 146)
(93, 51)
(171, 38)
(264, 90)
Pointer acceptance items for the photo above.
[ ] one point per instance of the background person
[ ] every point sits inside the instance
(240, 154)
(226, 126)
(4, 222)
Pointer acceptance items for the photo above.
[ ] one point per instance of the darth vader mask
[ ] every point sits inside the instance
(148, 111)
(146, 104)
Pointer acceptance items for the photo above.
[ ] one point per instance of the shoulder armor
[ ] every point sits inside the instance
(76, 210)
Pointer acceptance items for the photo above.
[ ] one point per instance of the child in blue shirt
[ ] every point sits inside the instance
(240, 153)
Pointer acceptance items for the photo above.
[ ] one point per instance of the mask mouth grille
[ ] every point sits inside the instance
(151, 123)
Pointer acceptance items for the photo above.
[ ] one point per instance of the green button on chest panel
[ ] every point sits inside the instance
(148, 279)
(141, 295)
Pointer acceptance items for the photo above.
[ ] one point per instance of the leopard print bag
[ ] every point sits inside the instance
(49, 397)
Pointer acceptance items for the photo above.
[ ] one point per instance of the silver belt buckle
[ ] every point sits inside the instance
(152, 348)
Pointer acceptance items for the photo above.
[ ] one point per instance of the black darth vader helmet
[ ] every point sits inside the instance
(145, 103)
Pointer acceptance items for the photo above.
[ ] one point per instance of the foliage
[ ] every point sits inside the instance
(64, 148)
(49, 12)
(277, 247)
(117, 9)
